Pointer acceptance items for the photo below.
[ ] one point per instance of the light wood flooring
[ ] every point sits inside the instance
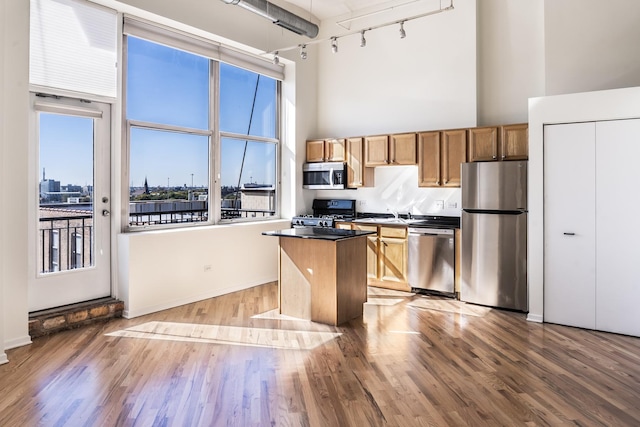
(411, 360)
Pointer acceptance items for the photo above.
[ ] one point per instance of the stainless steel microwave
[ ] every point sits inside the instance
(324, 176)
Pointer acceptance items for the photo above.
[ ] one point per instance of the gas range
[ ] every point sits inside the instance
(318, 221)
(326, 212)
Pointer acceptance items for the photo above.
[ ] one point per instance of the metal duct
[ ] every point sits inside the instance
(278, 16)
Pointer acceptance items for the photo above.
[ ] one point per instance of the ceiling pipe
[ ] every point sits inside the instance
(278, 16)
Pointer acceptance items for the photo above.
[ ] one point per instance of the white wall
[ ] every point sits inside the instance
(591, 45)
(3, 15)
(425, 81)
(510, 59)
(590, 106)
(163, 269)
(14, 97)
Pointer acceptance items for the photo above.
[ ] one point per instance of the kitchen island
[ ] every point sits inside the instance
(322, 273)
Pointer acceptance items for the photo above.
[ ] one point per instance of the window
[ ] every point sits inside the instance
(167, 104)
(248, 125)
(173, 148)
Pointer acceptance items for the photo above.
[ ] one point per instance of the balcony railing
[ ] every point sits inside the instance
(66, 243)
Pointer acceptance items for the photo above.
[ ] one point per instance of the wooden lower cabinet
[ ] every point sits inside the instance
(372, 249)
(387, 255)
(393, 260)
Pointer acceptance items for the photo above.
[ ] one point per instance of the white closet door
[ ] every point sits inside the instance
(569, 224)
(618, 226)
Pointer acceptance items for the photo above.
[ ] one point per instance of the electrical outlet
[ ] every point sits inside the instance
(452, 205)
(440, 204)
(207, 268)
(362, 203)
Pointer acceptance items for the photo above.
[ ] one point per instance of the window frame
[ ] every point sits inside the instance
(236, 59)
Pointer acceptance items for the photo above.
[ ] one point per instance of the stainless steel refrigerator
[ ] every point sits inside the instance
(494, 234)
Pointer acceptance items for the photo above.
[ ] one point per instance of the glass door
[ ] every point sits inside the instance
(71, 219)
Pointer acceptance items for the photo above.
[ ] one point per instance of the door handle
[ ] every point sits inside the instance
(105, 212)
(569, 234)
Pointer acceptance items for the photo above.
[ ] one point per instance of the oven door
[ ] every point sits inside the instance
(324, 176)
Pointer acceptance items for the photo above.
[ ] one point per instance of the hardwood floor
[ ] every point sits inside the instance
(411, 360)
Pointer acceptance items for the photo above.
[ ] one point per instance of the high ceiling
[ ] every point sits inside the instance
(324, 9)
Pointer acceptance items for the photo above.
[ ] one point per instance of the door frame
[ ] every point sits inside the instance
(102, 155)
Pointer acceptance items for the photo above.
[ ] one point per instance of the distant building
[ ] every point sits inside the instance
(258, 199)
(50, 191)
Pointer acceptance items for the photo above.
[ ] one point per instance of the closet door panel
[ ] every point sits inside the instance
(618, 226)
(569, 224)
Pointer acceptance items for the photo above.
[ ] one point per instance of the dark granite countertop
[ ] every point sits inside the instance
(318, 233)
(425, 221)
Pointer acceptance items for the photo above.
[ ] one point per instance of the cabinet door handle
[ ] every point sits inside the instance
(569, 234)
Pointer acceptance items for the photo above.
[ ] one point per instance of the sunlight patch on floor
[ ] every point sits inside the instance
(450, 306)
(383, 301)
(229, 335)
(274, 315)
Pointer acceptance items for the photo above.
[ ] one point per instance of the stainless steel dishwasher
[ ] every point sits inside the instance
(431, 259)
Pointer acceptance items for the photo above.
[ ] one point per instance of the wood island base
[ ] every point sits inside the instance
(323, 281)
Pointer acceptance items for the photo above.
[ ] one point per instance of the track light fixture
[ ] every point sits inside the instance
(334, 44)
(363, 41)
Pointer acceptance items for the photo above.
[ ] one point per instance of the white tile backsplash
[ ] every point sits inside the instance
(396, 190)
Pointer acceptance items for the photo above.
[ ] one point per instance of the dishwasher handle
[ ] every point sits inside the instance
(430, 231)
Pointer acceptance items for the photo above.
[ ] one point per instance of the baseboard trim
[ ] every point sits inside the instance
(17, 342)
(130, 314)
(535, 318)
(3, 358)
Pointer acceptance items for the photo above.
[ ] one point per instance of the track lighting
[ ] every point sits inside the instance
(334, 44)
(363, 41)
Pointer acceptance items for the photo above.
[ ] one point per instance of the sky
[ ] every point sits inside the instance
(66, 149)
(170, 86)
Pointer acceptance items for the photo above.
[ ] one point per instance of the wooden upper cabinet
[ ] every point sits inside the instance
(454, 152)
(357, 174)
(483, 144)
(508, 142)
(429, 159)
(514, 142)
(402, 149)
(439, 157)
(326, 150)
(334, 150)
(315, 151)
(398, 149)
(376, 150)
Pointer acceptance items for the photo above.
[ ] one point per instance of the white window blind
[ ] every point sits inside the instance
(73, 46)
